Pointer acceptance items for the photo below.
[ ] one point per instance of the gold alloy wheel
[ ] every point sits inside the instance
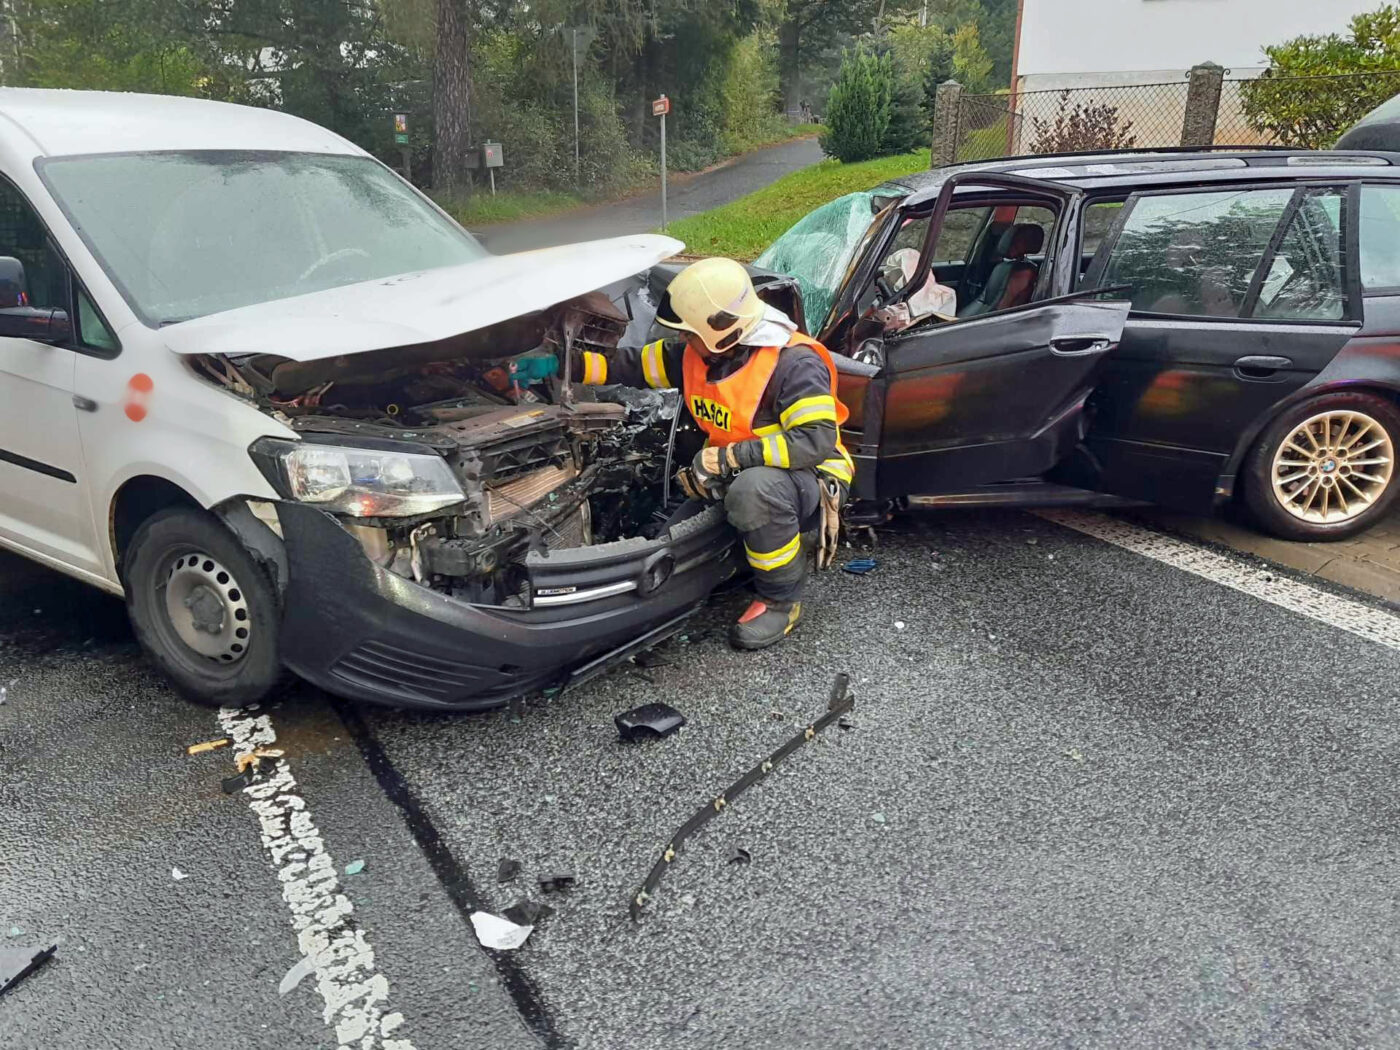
(1332, 467)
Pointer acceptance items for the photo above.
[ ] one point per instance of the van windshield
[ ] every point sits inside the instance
(184, 234)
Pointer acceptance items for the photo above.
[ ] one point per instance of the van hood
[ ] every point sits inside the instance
(421, 307)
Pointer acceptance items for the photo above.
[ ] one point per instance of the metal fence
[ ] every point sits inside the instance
(1292, 111)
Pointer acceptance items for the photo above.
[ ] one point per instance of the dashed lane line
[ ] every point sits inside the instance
(356, 995)
(1347, 614)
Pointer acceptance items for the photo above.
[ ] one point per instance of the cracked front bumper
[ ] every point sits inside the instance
(360, 631)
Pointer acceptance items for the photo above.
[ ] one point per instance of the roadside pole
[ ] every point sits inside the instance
(401, 137)
(575, 51)
(660, 108)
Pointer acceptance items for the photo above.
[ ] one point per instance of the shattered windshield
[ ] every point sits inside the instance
(184, 234)
(818, 249)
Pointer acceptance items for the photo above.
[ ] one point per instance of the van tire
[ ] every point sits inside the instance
(202, 608)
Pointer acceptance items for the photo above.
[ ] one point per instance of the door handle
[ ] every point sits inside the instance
(1079, 347)
(84, 404)
(1261, 366)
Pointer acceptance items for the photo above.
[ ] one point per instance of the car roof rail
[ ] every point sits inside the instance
(1244, 152)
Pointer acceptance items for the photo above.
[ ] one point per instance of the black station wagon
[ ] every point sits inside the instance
(1185, 328)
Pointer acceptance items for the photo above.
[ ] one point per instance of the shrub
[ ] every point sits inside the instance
(1313, 113)
(1081, 129)
(858, 108)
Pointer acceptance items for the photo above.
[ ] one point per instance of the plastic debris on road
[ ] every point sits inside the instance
(899, 625)
(293, 977)
(208, 745)
(507, 870)
(556, 883)
(878, 818)
(526, 912)
(648, 722)
(739, 855)
(18, 963)
(354, 867)
(495, 932)
(860, 566)
(178, 875)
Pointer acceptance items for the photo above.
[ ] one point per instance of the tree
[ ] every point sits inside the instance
(1312, 113)
(858, 109)
(451, 97)
(809, 24)
(1085, 128)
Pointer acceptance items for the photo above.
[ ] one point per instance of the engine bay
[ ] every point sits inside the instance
(543, 463)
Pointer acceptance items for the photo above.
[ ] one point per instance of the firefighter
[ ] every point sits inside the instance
(765, 396)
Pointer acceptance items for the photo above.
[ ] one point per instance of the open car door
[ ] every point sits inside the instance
(946, 406)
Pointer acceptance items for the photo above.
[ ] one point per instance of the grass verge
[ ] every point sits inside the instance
(743, 228)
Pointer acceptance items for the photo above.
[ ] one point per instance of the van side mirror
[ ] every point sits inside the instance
(14, 289)
(42, 325)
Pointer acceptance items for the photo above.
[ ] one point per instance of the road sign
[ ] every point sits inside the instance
(659, 108)
(491, 154)
(401, 128)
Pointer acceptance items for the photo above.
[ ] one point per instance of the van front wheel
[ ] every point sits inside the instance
(202, 608)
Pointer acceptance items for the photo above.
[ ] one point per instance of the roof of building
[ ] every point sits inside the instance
(51, 123)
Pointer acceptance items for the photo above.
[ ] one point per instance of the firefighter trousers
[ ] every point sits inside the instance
(770, 506)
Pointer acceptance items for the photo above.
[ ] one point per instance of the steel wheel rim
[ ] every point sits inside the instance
(1332, 467)
(207, 607)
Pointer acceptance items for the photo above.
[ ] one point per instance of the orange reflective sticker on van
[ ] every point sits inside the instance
(138, 392)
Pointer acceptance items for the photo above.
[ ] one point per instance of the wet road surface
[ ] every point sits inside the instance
(1089, 799)
(687, 195)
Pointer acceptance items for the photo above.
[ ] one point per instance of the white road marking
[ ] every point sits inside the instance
(1347, 614)
(355, 993)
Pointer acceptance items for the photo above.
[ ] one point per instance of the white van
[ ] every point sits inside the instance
(259, 385)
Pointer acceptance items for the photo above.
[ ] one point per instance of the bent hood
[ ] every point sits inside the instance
(420, 307)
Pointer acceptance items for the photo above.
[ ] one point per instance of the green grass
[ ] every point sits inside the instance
(481, 208)
(743, 228)
(984, 143)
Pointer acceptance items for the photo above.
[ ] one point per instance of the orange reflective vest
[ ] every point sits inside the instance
(725, 408)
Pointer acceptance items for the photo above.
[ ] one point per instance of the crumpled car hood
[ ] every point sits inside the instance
(419, 307)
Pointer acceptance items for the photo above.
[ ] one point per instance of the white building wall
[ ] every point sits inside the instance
(1065, 42)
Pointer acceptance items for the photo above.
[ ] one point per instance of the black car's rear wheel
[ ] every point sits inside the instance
(1325, 469)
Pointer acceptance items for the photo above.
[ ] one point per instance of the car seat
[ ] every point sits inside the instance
(1012, 281)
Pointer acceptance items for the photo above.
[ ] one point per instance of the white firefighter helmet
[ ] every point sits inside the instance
(715, 300)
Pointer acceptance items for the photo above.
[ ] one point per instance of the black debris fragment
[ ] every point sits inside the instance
(845, 723)
(739, 855)
(507, 870)
(651, 658)
(526, 912)
(239, 781)
(18, 963)
(648, 722)
(558, 882)
(841, 700)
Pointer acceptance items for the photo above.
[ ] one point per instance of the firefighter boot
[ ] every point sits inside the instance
(764, 623)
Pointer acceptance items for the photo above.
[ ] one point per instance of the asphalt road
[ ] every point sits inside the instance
(1089, 799)
(687, 195)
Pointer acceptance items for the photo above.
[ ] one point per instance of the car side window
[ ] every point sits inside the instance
(1380, 237)
(93, 332)
(1195, 254)
(1305, 280)
(23, 237)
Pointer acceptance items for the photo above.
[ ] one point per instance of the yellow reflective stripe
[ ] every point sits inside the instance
(809, 410)
(841, 466)
(775, 428)
(595, 369)
(774, 559)
(654, 365)
(775, 451)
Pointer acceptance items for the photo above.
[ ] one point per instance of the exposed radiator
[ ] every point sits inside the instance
(508, 499)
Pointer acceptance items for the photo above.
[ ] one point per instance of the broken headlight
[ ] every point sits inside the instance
(360, 482)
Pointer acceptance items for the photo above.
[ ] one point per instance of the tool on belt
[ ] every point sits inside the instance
(840, 701)
(830, 535)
